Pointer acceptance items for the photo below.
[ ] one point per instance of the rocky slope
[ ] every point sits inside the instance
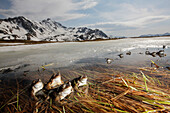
(21, 28)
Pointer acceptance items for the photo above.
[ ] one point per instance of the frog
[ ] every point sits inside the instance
(54, 81)
(80, 84)
(60, 93)
(37, 89)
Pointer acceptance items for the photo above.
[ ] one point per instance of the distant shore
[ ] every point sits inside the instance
(29, 42)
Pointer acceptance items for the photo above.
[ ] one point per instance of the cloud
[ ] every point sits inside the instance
(131, 27)
(7, 12)
(127, 11)
(129, 16)
(136, 23)
(72, 16)
(40, 9)
(89, 4)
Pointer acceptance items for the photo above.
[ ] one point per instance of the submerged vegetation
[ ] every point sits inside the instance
(109, 91)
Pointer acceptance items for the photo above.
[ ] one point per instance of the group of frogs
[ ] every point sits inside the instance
(56, 89)
(159, 53)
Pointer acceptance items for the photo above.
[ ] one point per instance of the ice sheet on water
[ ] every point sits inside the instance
(64, 54)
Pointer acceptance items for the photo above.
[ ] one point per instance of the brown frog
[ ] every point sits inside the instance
(54, 81)
(80, 84)
(36, 89)
(60, 93)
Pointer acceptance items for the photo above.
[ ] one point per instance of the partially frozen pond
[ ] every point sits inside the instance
(81, 53)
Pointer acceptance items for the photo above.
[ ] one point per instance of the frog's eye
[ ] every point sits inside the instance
(64, 85)
(69, 83)
(33, 81)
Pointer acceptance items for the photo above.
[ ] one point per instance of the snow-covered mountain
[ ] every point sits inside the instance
(21, 28)
(155, 35)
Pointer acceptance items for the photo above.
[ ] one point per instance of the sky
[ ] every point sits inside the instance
(114, 17)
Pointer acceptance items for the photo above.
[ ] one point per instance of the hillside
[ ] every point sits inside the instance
(21, 28)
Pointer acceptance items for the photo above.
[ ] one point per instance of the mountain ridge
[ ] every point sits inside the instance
(21, 28)
(155, 35)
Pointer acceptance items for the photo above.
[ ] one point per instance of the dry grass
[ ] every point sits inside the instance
(109, 91)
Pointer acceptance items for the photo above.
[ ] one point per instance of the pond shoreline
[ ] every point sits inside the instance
(30, 42)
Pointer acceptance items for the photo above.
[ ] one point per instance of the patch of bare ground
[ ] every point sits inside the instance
(25, 42)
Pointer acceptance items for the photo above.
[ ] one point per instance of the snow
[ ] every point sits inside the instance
(11, 43)
(68, 53)
(44, 30)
